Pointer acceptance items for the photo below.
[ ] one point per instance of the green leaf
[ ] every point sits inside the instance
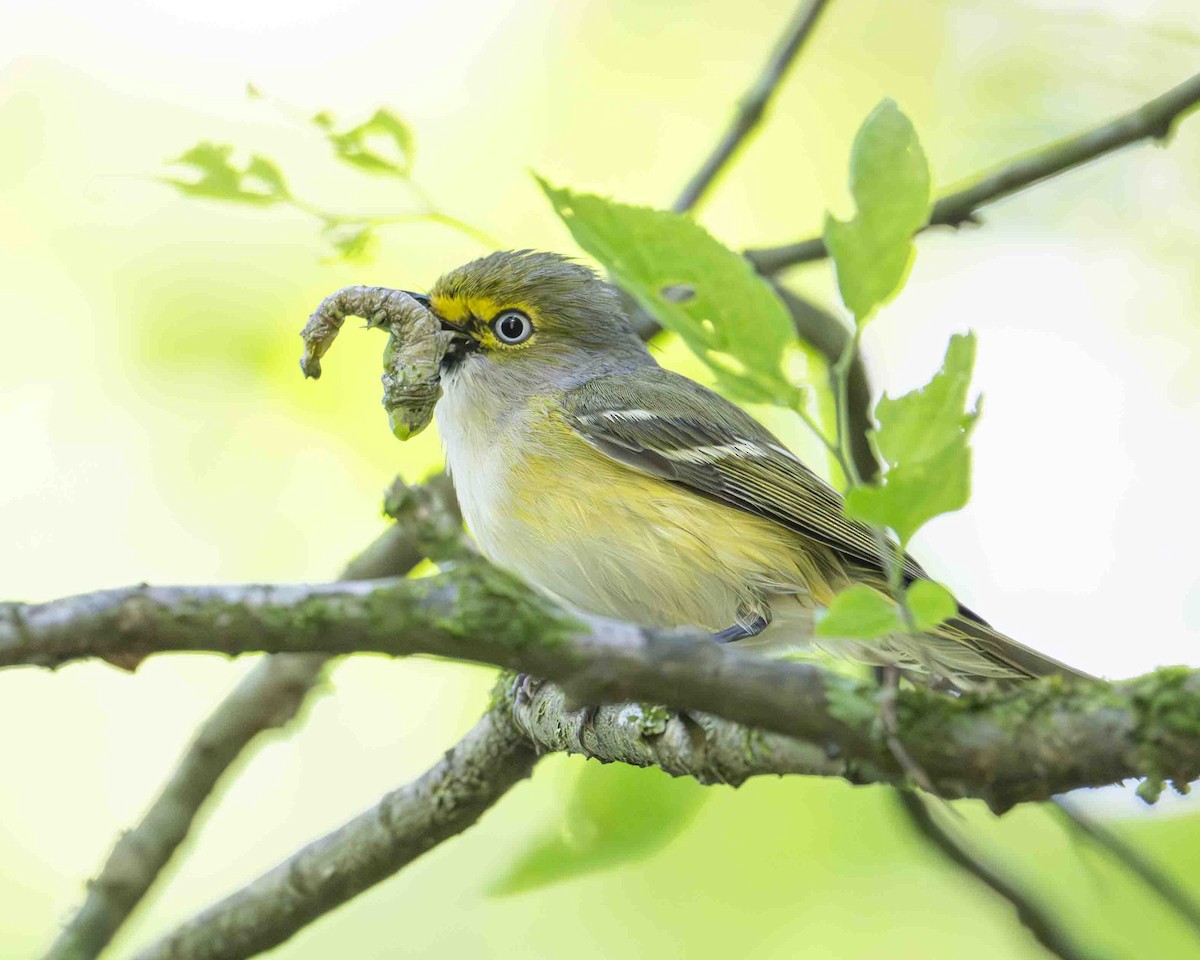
(693, 285)
(917, 425)
(890, 183)
(862, 613)
(352, 243)
(929, 603)
(617, 814)
(922, 438)
(258, 182)
(913, 494)
(382, 145)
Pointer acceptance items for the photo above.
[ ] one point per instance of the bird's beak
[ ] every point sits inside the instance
(421, 298)
(461, 343)
(424, 301)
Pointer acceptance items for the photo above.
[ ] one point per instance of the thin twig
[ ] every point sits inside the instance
(267, 698)
(1035, 918)
(1150, 873)
(1152, 120)
(753, 105)
(406, 823)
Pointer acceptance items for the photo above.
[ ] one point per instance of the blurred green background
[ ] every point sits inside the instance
(155, 427)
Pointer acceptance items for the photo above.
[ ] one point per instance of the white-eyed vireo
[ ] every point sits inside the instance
(633, 492)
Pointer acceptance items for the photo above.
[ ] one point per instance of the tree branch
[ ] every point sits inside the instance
(1130, 857)
(685, 743)
(443, 802)
(1152, 120)
(1035, 919)
(528, 719)
(753, 105)
(1024, 742)
(268, 697)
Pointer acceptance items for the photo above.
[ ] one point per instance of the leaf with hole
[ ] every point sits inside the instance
(694, 286)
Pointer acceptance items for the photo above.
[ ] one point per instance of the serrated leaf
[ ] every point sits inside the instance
(890, 183)
(929, 603)
(693, 285)
(861, 613)
(383, 144)
(617, 814)
(923, 440)
(917, 425)
(915, 493)
(259, 182)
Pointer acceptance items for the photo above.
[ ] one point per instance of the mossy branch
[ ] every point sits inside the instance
(1005, 745)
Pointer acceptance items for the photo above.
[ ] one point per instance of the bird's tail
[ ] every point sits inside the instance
(1004, 655)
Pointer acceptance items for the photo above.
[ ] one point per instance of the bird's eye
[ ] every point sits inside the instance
(512, 326)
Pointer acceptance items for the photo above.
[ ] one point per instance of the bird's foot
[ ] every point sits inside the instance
(587, 724)
(742, 631)
(525, 688)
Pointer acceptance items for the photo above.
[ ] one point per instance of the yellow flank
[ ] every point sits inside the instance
(654, 547)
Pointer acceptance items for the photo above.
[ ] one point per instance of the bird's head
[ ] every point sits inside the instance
(524, 313)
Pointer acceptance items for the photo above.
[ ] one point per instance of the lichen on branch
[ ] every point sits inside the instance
(1005, 745)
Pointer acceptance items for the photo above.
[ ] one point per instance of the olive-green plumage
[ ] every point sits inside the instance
(633, 492)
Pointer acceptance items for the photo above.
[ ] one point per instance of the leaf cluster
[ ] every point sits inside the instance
(383, 145)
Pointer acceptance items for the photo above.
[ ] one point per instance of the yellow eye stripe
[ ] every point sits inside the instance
(475, 314)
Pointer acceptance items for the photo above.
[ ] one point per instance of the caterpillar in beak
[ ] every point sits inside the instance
(413, 357)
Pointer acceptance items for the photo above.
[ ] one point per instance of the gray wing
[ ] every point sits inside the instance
(673, 428)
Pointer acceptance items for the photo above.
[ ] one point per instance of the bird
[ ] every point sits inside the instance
(629, 491)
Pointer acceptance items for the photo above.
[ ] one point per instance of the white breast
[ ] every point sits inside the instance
(479, 447)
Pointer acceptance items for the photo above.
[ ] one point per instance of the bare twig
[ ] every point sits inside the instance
(1152, 120)
(1028, 742)
(753, 105)
(406, 823)
(1036, 919)
(269, 696)
(1129, 856)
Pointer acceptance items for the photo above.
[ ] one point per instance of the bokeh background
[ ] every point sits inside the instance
(155, 427)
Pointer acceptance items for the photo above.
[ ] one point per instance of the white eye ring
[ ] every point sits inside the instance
(512, 327)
